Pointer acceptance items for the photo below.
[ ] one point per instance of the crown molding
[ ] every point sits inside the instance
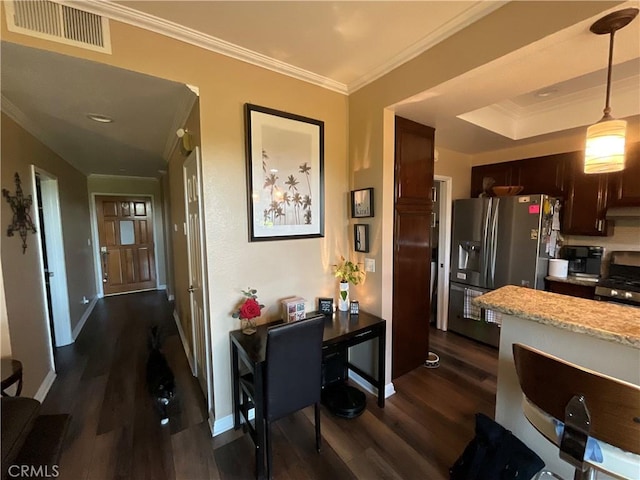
(174, 30)
(143, 20)
(444, 31)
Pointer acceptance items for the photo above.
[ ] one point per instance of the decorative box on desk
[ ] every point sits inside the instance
(293, 308)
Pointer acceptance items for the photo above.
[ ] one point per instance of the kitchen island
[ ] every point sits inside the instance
(603, 337)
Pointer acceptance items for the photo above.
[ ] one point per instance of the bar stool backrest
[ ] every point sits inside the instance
(550, 383)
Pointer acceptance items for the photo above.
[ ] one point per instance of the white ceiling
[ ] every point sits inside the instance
(340, 45)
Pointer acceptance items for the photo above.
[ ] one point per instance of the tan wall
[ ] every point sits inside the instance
(457, 166)
(117, 185)
(277, 268)
(25, 306)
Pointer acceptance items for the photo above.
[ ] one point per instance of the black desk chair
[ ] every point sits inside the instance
(589, 404)
(292, 376)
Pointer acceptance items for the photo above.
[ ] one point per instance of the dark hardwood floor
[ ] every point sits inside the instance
(115, 431)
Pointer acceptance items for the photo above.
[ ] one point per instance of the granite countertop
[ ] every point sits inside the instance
(609, 321)
(573, 280)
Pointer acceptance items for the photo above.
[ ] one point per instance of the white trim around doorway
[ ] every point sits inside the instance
(445, 202)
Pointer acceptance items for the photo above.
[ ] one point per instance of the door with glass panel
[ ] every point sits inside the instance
(125, 229)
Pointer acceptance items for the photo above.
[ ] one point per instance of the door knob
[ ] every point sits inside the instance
(191, 289)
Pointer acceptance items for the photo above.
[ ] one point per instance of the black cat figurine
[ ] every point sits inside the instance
(160, 379)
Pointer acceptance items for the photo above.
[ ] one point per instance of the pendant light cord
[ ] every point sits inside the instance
(607, 107)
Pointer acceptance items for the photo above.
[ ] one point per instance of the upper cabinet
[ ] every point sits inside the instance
(542, 174)
(586, 197)
(484, 176)
(536, 175)
(626, 184)
(585, 200)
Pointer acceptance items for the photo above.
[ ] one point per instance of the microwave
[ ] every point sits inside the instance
(583, 260)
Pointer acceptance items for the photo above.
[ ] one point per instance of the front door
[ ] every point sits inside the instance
(125, 229)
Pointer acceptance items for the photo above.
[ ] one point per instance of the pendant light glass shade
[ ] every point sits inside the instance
(604, 150)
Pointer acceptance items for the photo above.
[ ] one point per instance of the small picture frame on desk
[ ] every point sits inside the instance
(354, 307)
(325, 306)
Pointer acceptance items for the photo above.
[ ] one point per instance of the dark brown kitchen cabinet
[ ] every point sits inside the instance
(564, 288)
(499, 172)
(537, 175)
(626, 184)
(586, 200)
(542, 174)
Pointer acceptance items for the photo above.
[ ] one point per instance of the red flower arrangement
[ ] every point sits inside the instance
(248, 309)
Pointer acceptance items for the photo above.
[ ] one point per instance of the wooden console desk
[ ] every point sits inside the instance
(341, 331)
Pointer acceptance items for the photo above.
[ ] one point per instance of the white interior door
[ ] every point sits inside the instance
(53, 247)
(197, 274)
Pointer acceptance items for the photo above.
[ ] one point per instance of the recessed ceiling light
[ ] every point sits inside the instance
(546, 92)
(96, 117)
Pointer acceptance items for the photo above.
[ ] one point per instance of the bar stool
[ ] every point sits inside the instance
(590, 404)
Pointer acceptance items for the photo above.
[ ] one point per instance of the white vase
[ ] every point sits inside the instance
(343, 297)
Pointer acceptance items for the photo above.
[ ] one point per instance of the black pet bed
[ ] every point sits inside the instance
(344, 400)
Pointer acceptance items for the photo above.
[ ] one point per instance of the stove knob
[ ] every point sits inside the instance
(628, 295)
(614, 293)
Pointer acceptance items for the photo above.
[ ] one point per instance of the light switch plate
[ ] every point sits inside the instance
(369, 265)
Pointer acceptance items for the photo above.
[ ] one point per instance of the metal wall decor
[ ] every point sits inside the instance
(20, 205)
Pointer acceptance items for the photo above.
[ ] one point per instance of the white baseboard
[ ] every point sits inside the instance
(185, 345)
(162, 287)
(171, 298)
(388, 388)
(226, 423)
(84, 318)
(45, 386)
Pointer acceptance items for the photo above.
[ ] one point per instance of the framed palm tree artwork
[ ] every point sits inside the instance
(285, 177)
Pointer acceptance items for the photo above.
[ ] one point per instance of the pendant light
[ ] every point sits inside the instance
(604, 150)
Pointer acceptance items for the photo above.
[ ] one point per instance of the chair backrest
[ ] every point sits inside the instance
(293, 377)
(550, 383)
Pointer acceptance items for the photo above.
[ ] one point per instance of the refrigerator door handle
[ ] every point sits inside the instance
(494, 245)
(485, 244)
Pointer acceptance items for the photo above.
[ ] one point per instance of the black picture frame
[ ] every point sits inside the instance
(285, 174)
(362, 203)
(361, 237)
(325, 306)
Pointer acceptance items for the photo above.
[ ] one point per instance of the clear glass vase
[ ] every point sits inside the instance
(248, 325)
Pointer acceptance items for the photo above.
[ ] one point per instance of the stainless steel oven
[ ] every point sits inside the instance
(622, 283)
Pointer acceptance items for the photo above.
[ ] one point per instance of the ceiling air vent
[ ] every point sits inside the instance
(59, 23)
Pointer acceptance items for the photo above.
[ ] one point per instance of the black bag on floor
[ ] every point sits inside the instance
(495, 454)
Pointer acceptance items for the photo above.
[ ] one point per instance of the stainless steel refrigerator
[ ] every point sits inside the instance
(497, 241)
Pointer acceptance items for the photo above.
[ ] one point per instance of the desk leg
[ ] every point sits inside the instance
(382, 340)
(259, 422)
(235, 378)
